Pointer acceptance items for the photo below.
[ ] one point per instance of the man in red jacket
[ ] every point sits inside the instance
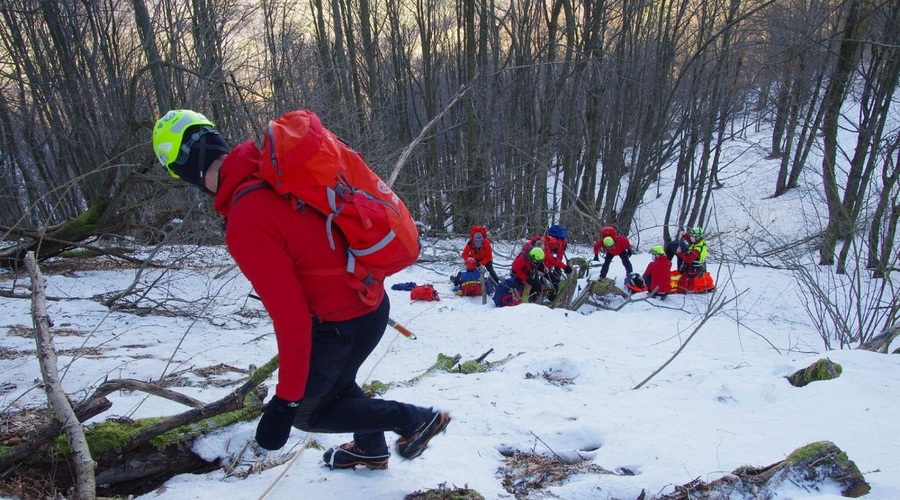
(612, 246)
(323, 329)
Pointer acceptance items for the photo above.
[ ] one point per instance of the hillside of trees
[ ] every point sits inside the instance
(601, 97)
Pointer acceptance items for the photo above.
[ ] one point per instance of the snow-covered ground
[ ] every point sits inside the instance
(721, 403)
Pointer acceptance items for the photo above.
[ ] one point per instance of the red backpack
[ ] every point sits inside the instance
(303, 160)
(424, 292)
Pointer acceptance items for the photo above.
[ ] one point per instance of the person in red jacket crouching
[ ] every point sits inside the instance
(528, 268)
(657, 276)
(323, 328)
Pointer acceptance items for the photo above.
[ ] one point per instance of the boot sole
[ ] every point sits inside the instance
(408, 454)
(353, 465)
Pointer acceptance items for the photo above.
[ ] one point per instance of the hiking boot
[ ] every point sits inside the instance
(413, 446)
(348, 456)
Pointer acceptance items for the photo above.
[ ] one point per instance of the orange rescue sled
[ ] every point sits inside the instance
(701, 284)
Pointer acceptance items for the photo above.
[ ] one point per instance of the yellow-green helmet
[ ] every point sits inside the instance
(537, 254)
(608, 242)
(168, 136)
(657, 250)
(696, 233)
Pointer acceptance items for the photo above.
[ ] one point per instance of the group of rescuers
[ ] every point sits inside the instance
(541, 263)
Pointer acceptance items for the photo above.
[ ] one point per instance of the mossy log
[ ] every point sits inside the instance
(606, 286)
(56, 240)
(444, 363)
(137, 456)
(823, 369)
(594, 289)
(807, 467)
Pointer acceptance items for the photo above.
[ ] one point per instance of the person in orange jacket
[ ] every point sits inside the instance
(479, 248)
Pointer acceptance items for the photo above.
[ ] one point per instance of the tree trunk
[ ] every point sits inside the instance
(148, 40)
(838, 222)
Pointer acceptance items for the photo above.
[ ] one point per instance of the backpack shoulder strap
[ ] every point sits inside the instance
(248, 187)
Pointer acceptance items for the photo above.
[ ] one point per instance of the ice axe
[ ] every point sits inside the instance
(402, 329)
(397, 326)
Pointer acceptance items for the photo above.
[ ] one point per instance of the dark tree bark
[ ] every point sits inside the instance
(839, 223)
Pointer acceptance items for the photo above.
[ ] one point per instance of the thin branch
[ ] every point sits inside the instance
(710, 312)
(126, 384)
(404, 155)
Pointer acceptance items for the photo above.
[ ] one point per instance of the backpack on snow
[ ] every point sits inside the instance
(309, 164)
(424, 292)
(507, 293)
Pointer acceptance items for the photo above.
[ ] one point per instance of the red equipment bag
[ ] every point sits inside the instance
(424, 292)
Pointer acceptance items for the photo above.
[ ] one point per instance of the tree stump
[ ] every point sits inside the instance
(579, 265)
(565, 292)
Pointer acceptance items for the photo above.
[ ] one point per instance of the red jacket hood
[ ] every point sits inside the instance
(240, 166)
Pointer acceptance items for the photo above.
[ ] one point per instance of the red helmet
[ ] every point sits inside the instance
(470, 264)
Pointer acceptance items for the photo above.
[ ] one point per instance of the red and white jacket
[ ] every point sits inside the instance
(284, 252)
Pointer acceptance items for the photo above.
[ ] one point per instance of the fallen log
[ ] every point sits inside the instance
(882, 341)
(137, 456)
(808, 467)
(50, 242)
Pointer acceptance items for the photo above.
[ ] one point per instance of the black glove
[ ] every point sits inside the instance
(596, 258)
(275, 425)
(568, 269)
(628, 253)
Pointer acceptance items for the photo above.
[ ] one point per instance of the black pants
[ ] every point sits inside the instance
(490, 269)
(609, 257)
(333, 402)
